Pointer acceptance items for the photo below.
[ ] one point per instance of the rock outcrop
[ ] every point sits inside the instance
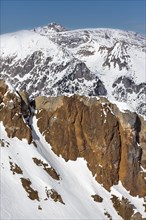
(130, 172)
(12, 110)
(142, 139)
(96, 130)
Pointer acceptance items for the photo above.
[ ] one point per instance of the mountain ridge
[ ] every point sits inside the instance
(69, 62)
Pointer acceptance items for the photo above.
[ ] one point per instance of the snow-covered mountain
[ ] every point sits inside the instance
(70, 158)
(72, 131)
(51, 60)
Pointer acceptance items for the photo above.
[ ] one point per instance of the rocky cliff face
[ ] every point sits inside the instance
(112, 142)
(96, 130)
(13, 111)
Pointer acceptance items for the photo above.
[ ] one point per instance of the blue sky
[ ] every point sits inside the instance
(27, 14)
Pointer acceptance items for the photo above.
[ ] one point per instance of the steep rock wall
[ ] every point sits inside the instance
(12, 109)
(108, 139)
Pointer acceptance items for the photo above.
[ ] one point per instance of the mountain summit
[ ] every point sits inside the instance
(56, 27)
(51, 27)
(89, 62)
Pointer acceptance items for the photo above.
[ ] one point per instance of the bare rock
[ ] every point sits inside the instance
(11, 114)
(32, 194)
(123, 207)
(79, 130)
(96, 130)
(131, 133)
(48, 103)
(142, 141)
(97, 198)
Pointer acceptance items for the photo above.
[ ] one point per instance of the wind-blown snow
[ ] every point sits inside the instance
(23, 43)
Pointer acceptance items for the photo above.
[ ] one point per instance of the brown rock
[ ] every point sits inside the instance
(123, 207)
(11, 114)
(131, 152)
(24, 96)
(97, 198)
(51, 193)
(48, 103)
(86, 127)
(50, 170)
(15, 168)
(137, 216)
(32, 194)
(3, 88)
(79, 130)
(142, 140)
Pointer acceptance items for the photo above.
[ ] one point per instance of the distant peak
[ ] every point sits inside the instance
(51, 27)
(56, 27)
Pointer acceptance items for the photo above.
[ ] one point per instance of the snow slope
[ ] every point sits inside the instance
(76, 184)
